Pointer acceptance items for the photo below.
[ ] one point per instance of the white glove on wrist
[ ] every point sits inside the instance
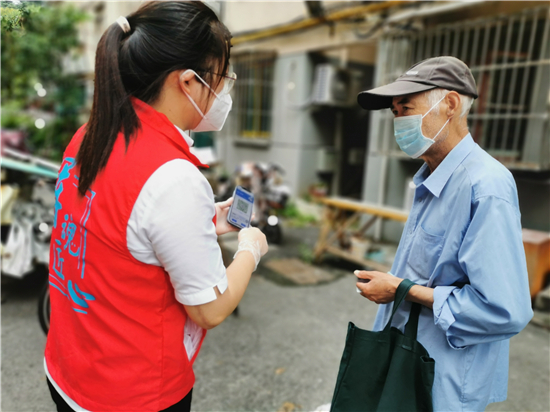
(253, 246)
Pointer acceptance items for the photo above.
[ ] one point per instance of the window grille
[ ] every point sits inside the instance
(254, 94)
(509, 57)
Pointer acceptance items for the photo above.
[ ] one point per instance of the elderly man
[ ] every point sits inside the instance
(462, 241)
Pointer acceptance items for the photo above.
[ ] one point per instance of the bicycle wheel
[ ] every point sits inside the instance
(44, 308)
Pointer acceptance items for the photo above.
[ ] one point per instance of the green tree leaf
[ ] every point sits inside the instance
(36, 37)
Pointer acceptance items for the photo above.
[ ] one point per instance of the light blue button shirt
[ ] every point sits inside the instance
(463, 238)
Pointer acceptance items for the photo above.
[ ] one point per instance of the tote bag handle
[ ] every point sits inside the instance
(411, 328)
(400, 295)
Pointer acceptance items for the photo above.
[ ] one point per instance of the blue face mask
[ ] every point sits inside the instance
(408, 133)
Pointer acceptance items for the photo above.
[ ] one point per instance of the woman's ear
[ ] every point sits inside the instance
(453, 103)
(184, 81)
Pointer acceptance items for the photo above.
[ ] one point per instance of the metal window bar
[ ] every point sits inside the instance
(465, 43)
(490, 124)
(481, 80)
(254, 94)
(508, 56)
(437, 36)
(509, 102)
(526, 74)
(502, 75)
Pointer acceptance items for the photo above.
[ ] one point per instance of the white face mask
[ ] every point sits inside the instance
(214, 119)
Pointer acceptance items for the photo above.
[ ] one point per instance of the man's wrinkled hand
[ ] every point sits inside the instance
(380, 288)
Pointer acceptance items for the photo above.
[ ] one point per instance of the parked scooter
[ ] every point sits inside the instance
(273, 197)
(27, 213)
(265, 181)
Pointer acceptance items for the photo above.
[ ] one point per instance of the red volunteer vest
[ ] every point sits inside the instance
(116, 337)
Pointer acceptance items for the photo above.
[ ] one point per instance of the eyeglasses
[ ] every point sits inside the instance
(229, 81)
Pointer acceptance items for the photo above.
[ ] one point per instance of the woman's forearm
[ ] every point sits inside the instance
(210, 315)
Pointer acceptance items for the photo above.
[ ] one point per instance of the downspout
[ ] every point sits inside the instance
(316, 21)
(432, 10)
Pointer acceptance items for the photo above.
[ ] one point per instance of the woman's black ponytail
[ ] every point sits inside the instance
(163, 37)
(112, 110)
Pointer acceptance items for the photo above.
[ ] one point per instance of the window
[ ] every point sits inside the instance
(254, 95)
(509, 57)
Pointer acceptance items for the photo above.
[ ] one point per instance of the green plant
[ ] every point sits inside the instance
(290, 211)
(306, 253)
(294, 218)
(36, 40)
(14, 118)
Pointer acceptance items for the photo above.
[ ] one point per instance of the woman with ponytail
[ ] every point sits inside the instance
(136, 273)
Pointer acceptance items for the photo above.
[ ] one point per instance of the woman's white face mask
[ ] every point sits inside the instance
(214, 119)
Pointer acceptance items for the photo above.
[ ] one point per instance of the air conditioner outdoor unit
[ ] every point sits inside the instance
(334, 86)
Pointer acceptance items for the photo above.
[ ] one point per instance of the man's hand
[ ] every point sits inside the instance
(222, 209)
(381, 287)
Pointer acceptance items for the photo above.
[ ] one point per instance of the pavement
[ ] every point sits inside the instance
(281, 353)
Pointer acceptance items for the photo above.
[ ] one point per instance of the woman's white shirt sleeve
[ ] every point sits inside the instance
(171, 226)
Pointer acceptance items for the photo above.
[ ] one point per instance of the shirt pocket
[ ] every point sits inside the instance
(425, 252)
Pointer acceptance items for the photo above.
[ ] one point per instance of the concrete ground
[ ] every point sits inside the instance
(281, 354)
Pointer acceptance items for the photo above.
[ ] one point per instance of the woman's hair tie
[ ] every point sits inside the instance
(123, 23)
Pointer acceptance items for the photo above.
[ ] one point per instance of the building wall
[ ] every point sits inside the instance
(298, 134)
(294, 138)
(102, 15)
(301, 133)
(387, 173)
(243, 16)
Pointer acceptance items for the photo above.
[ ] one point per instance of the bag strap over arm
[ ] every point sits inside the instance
(400, 295)
(411, 328)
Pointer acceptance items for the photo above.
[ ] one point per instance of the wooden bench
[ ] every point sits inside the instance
(537, 255)
(338, 222)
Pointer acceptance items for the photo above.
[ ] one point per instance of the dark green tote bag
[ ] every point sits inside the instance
(387, 370)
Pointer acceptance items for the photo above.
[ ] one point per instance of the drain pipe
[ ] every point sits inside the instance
(316, 21)
(432, 10)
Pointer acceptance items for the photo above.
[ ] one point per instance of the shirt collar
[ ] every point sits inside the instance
(186, 137)
(436, 181)
(161, 125)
